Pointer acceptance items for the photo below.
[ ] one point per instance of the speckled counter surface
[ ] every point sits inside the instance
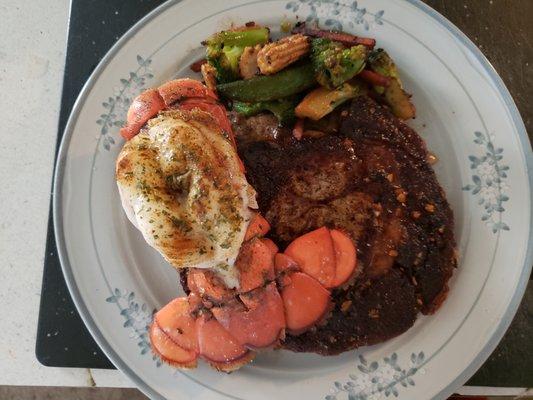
(32, 51)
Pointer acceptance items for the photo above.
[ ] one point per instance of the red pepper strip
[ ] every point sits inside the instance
(298, 129)
(344, 38)
(368, 42)
(374, 78)
(197, 65)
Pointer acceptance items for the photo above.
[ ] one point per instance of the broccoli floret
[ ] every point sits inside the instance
(394, 95)
(224, 50)
(382, 63)
(334, 64)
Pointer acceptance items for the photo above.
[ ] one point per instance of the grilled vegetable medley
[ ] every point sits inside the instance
(305, 75)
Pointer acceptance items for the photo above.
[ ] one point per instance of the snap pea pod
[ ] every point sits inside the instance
(270, 87)
(283, 109)
(239, 37)
(248, 109)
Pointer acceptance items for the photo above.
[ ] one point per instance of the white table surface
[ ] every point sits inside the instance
(32, 52)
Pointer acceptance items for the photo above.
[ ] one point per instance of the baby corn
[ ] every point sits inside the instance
(275, 56)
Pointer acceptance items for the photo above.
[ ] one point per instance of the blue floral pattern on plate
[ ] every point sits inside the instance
(488, 181)
(377, 378)
(116, 106)
(137, 317)
(337, 15)
(373, 378)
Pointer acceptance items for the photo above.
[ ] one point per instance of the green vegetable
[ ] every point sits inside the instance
(249, 109)
(283, 109)
(335, 64)
(399, 101)
(270, 87)
(394, 95)
(321, 101)
(380, 62)
(224, 49)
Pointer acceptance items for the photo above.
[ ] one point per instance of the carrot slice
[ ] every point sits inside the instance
(216, 344)
(179, 89)
(258, 226)
(306, 302)
(273, 247)
(175, 320)
(315, 255)
(284, 263)
(144, 106)
(259, 326)
(197, 65)
(208, 286)
(255, 264)
(345, 255)
(169, 351)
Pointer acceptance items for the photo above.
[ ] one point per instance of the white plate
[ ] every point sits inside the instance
(466, 116)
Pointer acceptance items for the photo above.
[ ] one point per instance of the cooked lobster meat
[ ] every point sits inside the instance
(180, 179)
(182, 184)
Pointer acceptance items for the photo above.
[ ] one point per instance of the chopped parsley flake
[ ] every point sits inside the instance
(181, 224)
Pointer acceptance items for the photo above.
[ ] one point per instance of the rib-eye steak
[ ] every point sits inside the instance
(372, 180)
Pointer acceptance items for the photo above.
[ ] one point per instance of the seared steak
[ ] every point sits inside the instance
(372, 180)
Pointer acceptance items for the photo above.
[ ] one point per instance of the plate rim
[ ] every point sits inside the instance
(494, 77)
(509, 314)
